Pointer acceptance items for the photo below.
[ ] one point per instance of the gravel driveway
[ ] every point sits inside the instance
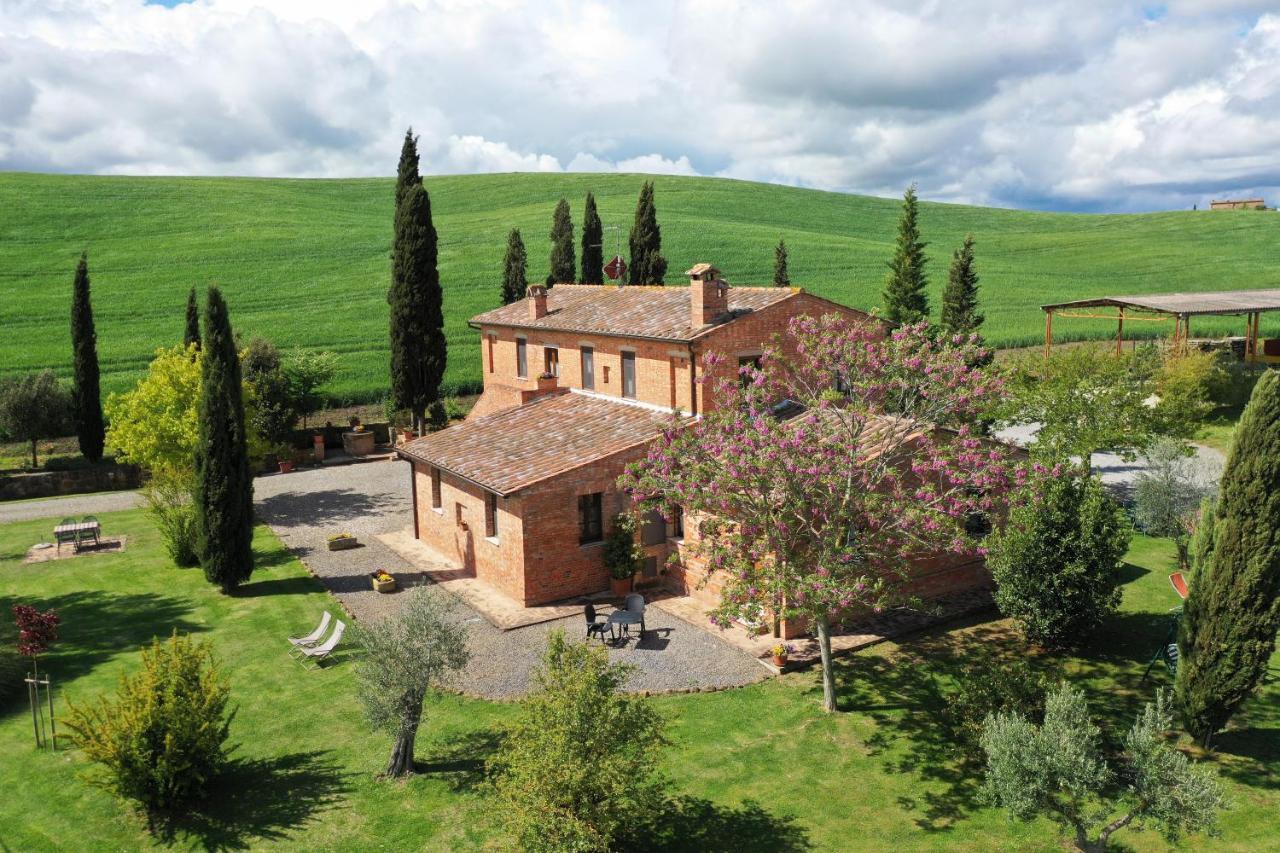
(306, 507)
(70, 505)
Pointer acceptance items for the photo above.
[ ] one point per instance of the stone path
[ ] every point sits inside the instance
(306, 507)
(71, 505)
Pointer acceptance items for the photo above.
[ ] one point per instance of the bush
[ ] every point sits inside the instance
(990, 687)
(1057, 561)
(1184, 385)
(162, 740)
(437, 416)
(170, 506)
(622, 554)
(577, 768)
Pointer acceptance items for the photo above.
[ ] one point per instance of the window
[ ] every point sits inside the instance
(589, 368)
(752, 361)
(675, 527)
(522, 358)
(629, 375)
(590, 515)
(551, 361)
(491, 515)
(492, 345)
(435, 489)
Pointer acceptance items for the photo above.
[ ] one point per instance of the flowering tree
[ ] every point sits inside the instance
(824, 472)
(36, 631)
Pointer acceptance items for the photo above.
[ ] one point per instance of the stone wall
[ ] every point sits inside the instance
(47, 484)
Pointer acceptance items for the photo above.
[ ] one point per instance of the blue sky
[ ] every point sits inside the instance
(1060, 104)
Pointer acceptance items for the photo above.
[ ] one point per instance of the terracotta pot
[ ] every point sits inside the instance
(286, 466)
(779, 661)
(621, 586)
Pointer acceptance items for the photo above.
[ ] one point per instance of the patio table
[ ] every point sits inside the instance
(71, 532)
(623, 619)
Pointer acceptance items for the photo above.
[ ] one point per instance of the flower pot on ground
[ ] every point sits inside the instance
(622, 554)
(342, 541)
(621, 586)
(383, 581)
(781, 653)
(286, 466)
(358, 443)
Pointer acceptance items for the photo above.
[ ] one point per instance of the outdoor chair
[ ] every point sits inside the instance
(595, 628)
(314, 637)
(635, 604)
(315, 655)
(86, 535)
(68, 537)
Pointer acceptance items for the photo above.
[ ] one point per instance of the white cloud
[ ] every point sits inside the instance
(1087, 104)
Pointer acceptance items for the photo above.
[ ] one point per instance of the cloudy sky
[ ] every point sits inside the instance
(1054, 104)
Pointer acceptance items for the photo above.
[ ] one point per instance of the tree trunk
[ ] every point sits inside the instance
(828, 673)
(1184, 560)
(401, 763)
(33, 453)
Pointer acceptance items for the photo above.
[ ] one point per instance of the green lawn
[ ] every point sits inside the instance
(305, 262)
(759, 768)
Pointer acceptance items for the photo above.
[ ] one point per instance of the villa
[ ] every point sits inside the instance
(578, 379)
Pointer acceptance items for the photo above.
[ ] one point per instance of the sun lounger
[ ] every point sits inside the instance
(314, 637)
(316, 654)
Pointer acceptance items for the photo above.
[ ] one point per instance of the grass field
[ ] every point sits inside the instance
(756, 769)
(305, 262)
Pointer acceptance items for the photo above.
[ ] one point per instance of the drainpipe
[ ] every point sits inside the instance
(413, 489)
(693, 380)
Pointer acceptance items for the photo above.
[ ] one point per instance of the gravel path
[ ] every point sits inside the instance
(306, 507)
(70, 505)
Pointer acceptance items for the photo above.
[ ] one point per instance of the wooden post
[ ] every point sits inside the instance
(1048, 331)
(1119, 331)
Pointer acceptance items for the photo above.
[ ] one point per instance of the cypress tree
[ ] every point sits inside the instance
(563, 264)
(960, 314)
(418, 353)
(192, 333)
(407, 171)
(781, 276)
(1232, 614)
(647, 264)
(86, 395)
(515, 279)
(905, 296)
(224, 486)
(592, 244)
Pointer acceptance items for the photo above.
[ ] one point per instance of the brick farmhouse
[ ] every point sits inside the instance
(578, 379)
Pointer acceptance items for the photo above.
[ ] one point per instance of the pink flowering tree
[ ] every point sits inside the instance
(36, 631)
(825, 472)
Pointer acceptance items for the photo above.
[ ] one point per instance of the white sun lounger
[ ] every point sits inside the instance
(314, 655)
(314, 637)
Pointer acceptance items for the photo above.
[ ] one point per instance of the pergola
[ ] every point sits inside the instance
(1178, 307)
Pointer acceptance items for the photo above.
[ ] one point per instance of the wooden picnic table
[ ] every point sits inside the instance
(72, 532)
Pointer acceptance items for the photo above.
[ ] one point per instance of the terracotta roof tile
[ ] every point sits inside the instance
(635, 311)
(513, 449)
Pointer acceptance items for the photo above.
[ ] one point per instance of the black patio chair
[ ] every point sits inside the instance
(635, 604)
(594, 626)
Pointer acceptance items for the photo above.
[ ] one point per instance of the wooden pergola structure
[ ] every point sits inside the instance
(1180, 308)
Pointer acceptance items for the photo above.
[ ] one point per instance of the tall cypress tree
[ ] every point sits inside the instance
(905, 297)
(224, 485)
(592, 243)
(960, 315)
(407, 171)
(515, 278)
(1232, 614)
(563, 264)
(418, 353)
(781, 275)
(86, 395)
(192, 333)
(647, 264)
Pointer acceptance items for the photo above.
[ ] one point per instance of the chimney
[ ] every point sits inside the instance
(537, 299)
(708, 295)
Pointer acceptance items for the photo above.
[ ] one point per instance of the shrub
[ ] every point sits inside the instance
(1057, 561)
(1184, 384)
(1167, 494)
(577, 767)
(162, 739)
(622, 554)
(169, 504)
(437, 416)
(990, 687)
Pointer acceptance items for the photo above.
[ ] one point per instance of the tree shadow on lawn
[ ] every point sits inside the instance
(301, 585)
(259, 800)
(696, 825)
(461, 763)
(98, 625)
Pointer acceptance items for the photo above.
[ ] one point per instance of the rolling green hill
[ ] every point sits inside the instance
(306, 262)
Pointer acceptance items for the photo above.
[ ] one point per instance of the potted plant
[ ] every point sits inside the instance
(356, 426)
(622, 554)
(286, 465)
(342, 542)
(383, 581)
(780, 653)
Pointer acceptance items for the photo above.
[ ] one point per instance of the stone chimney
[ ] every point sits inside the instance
(708, 295)
(536, 296)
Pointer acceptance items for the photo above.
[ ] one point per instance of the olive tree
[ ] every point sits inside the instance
(32, 407)
(1167, 495)
(404, 657)
(1057, 769)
